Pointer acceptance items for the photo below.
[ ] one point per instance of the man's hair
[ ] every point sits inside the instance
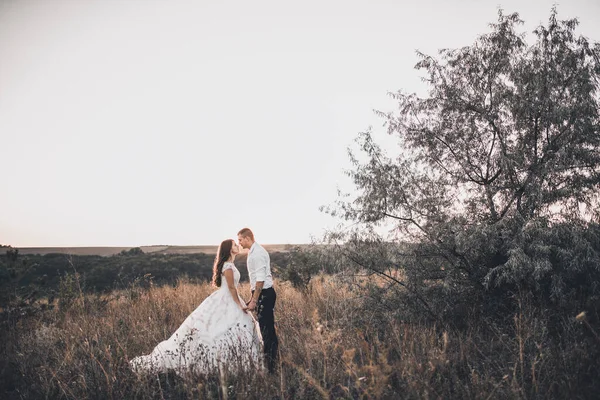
(246, 232)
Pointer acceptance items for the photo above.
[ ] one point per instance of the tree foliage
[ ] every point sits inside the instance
(495, 188)
(302, 263)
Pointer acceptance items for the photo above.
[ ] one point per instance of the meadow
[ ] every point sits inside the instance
(334, 344)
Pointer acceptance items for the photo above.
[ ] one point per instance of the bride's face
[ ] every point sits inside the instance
(235, 249)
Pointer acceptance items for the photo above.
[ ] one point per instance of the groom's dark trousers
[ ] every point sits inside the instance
(266, 321)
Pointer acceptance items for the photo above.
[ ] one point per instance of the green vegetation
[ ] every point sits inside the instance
(493, 196)
(25, 279)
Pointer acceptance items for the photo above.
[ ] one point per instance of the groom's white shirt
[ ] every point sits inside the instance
(259, 266)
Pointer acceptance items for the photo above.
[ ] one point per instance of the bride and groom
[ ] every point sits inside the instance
(222, 331)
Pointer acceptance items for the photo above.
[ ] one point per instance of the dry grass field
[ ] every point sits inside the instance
(331, 348)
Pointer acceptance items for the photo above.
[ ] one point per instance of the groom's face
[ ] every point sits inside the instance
(244, 241)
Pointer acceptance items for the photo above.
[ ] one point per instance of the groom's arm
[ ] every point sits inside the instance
(255, 296)
(257, 290)
(261, 275)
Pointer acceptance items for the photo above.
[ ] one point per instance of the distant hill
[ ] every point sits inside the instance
(157, 249)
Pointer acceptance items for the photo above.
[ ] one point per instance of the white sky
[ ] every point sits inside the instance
(126, 123)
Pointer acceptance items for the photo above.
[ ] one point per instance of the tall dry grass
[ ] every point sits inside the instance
(330, 347)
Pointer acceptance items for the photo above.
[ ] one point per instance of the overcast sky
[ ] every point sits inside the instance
(126, 123)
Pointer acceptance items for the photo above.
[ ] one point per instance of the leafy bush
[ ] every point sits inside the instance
(302, 263)
(493, 192)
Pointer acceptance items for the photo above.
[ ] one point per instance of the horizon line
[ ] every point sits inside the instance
(143, 245)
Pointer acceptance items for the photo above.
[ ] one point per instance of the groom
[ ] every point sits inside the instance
(263, 293)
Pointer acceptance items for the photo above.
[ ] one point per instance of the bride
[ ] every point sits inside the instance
(218, 333)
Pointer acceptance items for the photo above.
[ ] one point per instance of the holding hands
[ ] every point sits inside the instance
(251, 305)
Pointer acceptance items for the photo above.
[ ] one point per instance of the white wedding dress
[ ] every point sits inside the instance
(216, 334)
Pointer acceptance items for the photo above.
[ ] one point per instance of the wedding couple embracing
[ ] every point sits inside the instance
(222, 331)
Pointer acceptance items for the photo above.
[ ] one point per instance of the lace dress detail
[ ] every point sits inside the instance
(217, 333)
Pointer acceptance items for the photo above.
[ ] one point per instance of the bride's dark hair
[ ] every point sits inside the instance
(223, 254)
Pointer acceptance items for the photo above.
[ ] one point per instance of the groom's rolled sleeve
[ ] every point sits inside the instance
(261, 268)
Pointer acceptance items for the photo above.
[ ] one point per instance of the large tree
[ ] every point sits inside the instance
(495, 187)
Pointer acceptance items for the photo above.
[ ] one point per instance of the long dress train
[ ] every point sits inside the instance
(216, 334)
